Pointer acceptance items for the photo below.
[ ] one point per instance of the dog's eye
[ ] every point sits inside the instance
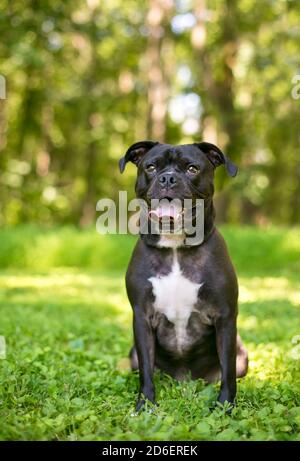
(150, 168)
(193, 169)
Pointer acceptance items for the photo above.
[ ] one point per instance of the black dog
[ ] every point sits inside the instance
(184, 298)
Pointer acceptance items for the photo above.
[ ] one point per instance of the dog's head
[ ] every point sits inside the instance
(171, 174)
(175, 172)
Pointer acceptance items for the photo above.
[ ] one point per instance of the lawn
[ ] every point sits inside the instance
(67, 325)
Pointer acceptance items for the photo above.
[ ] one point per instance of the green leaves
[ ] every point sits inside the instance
(67, 330)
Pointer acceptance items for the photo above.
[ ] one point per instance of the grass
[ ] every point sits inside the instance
(67, 324)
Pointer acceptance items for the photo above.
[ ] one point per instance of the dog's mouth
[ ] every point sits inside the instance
(167, 212)
(171, 215)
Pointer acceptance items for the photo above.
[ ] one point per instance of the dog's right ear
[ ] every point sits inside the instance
(135, 153)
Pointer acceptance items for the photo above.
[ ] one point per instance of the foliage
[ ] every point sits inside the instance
(68, 331)
(37, 248)
(79, 90)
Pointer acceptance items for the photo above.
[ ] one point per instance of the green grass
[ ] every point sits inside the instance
(67, 324)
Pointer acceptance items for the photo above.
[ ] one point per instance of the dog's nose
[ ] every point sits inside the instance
(167, 180)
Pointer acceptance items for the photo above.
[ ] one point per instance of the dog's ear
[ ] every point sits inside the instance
(135, 153)
(216, 157)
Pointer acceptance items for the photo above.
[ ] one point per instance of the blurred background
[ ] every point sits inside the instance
(85, 79)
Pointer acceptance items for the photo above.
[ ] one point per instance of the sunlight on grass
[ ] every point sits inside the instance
(65, 377)
(253, 289)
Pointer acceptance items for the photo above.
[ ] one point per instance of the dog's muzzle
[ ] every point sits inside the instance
(167, 216)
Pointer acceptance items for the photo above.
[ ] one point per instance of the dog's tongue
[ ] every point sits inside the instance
(166, 210)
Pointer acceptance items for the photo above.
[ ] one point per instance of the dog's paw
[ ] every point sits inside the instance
(223, 403)
(140, 405)
(145, 404)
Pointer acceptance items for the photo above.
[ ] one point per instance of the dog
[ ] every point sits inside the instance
(184, 297)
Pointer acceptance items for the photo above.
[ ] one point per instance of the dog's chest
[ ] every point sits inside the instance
(175, 296)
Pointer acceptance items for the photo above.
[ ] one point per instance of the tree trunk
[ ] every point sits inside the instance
(158, 88)
(218, 88)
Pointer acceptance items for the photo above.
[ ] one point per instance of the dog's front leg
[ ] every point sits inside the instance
(226, 346)
(144, 343)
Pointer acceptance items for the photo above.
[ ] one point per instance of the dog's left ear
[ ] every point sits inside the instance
(216, 157)
(135, 153)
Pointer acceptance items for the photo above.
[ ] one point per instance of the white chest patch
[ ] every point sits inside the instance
(175, 297)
